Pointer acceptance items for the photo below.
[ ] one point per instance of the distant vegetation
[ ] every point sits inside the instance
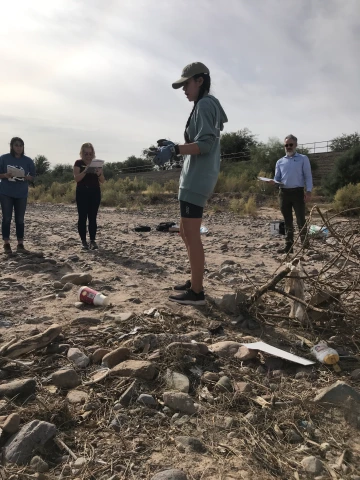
(243, 159)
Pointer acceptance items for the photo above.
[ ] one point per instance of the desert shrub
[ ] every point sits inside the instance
(171, 186)
(244, 207)
(346, 170)
(347, 198)
(235, 184)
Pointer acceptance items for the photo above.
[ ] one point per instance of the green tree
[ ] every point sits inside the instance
(136, 164)
(42, 164)
(345, 142)
(238, 143)
(346, 170)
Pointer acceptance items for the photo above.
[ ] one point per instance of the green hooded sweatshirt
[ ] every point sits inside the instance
(200, 172)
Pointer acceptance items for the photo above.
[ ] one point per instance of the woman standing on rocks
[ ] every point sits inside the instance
(14, 189)
(88, 194)
(199, 173)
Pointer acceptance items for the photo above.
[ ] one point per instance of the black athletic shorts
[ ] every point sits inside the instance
(189, 210)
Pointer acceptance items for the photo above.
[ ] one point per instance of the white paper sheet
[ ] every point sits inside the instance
(97, 163)
(265, 179)
(17, 172)
(264, 347)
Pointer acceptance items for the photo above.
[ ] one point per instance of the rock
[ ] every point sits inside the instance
(180, 401)
(76, 278)
(21, 388)
(135, 368)
(80, 305)
(312, 465)
(177, 381)
(224, 384)
(126, 397)
(78, 358)
(147, 400)
(99, 354)
(245, 353)
(66, 378)
(230, 302)
(77, 397)
(87, 321)
(79, 463)
(39, 465)
(20, 447)
(242, 387)
(337, 394)
(12, 423)
(210, 377)
(179, 348)
(293, 437)
(115, 357)
(225, 349)
(355, 375)
(172, 474)
(58, 285)
(67, 287)
(189, 444)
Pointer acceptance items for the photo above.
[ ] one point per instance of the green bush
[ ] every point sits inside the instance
(244, 207)
(348, 198)
(346, 170)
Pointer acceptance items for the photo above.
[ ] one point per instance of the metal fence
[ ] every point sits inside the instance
(317, 147)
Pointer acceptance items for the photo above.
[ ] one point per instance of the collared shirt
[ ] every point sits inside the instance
(294, 172)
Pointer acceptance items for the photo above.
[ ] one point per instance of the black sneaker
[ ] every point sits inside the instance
(85, 246)
(21, 249)
(189, 298)
(184, 286)
(93, 245)
(7, 249)
(285, 250)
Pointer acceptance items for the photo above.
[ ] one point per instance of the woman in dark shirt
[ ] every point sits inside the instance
(88, 194)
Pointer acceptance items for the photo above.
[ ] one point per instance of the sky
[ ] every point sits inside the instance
(100, 71)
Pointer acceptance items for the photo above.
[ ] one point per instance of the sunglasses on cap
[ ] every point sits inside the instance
(289, 144)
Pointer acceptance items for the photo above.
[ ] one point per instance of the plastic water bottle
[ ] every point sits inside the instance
(92, 297)
(325, 354)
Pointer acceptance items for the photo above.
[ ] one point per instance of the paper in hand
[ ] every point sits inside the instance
(16, 172)
(265, 179)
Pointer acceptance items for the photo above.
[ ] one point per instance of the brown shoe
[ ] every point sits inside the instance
(7, 249)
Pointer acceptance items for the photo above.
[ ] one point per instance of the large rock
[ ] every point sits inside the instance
(66, 378)
(21, 388)
(172, 474)
(312, 465)
(230, 302)
(20, 447)
(135, 368)
(115, 357)
(78, 357)
(180, 401)
(226, 349)
(337, 394)
(12, 423)
(177, 381)
(76, 278)
(245, 353)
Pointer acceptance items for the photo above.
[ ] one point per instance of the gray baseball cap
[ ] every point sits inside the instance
(189, 71)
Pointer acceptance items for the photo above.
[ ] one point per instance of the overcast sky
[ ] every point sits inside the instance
(73, 71)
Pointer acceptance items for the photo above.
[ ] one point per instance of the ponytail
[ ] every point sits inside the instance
(205, 88)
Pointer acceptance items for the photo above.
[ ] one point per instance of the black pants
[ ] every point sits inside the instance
(88, 202)
(293, 198)
(8, 204)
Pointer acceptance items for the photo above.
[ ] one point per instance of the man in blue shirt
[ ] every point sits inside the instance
(293, 171)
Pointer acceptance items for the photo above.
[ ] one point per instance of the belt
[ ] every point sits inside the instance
(295, 188)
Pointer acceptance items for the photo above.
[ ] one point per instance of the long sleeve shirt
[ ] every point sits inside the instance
(294, 172)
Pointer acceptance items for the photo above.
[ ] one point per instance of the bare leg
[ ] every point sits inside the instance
(192, 239)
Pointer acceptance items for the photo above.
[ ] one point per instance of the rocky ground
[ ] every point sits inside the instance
(148, 389)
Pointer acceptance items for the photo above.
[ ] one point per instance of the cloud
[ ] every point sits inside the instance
(102, 71)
